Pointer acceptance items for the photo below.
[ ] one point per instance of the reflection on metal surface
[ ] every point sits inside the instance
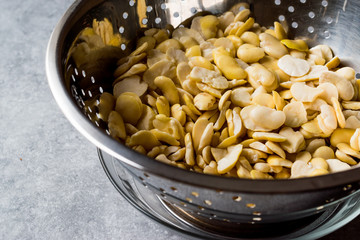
(194, 224)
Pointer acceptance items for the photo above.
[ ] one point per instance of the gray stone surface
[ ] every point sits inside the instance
(52, 185)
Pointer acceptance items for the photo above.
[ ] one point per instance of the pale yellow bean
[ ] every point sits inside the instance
(258, 76)
(274, 160)
(299, 45)
(250, 53)
(280, 32)
(165, 137)
(242, 15)
(130, 107)
(319, 163)
(341, 136)
(189, 150)
(263, 99)
(256, 174)
(224, 98)
(204, 101)
(208, 26)
(188, 41)
(344, 157)
(229, 160)
(228, 65)
(162, 106)
(260, 118)
(237, 42)
(250, 37)
(178, 113)
(227, 44)
(144, 138)
(168, 88)
(193, 51)
(294, 141)
(244, 27)
(344, 86)
(116, 125)
(272, 46)
(169, 43)
(200, 61)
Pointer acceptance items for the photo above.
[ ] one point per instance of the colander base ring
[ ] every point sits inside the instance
(282, 230)
(158, 209)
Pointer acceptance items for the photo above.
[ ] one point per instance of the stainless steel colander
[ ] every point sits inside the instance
(215, 204)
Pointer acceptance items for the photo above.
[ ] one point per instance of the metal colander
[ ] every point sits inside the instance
(216, 204)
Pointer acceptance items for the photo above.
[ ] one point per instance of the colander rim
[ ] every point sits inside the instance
(111, 146)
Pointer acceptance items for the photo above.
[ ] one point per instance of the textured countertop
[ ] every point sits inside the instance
(52, 185)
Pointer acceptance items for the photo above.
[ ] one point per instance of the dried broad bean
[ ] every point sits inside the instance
(130, 107)
(230, 97)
